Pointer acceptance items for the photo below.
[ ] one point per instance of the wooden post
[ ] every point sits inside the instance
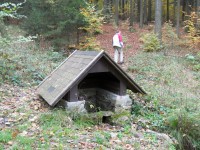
(73, 94)
(122, 90)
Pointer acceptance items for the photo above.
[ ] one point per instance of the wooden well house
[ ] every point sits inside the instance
(88, 78)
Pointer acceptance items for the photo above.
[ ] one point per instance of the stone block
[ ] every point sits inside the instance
(78, 106)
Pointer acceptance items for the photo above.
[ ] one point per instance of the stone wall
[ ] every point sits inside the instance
(96, 99)
(111, 101)
(103, 100)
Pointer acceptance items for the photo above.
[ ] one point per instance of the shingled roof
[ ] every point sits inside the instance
(72, 70)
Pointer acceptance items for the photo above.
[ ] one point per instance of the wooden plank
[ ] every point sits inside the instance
(89, 53)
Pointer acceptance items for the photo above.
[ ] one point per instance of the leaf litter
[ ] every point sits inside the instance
(22, 106)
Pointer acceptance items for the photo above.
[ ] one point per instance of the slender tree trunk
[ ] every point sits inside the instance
(104, 8)
(195, 5)
(123, 9)
(183, 10)
(77, 36)
(174, 12)
(198, 8)
(134, 9)
(131, 12)
(138, 10)
(167, 10)
(187, 9)
(178, 19)
(145, 12)
(149, 10)
(141, 13)
(198, 15)
(117, 12)
(158, 18)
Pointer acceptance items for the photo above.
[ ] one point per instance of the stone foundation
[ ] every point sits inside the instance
(96, 99)
(78, 106)
(104, 100)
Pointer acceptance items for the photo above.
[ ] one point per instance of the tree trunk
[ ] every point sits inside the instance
(158, 18)
(138, 10)
(77, 36)
(104, 8)
(123, 9)
(198, 8)
(131, 12)
(198, 15)
(117, 12)
(167, 10)
(187, 9)
(141, 13)
(194, 5)
(134, 9)
(145, 12)
(149, 10)
(178, 18)
(183, 10)
(174, 12)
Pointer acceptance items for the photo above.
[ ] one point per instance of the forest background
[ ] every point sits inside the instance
(162, 39)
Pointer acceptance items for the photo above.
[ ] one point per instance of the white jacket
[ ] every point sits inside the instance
(116, 41)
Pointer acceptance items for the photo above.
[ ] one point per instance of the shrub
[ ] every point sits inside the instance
(93, 27)
(192, 28)
(7, 67)
(185, 126)
(169, 35)
(151, 42)
(194, 61)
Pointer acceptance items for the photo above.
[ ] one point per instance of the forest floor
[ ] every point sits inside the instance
(131, 39)
(27, 122)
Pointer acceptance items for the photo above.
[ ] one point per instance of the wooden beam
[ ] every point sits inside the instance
(122, 90)
(73, 94)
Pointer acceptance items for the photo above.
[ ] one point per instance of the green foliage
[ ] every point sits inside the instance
(4, 42)
(127, 129)
(192, 27)
(150, 42)
(5, 136)
(7, 67)
(57, 21)
(170, 85)
(194, 61)
(151, 111)
(1, 147)
(8, 10)
(120, 114)
(165, 77)
(22, 63)
(89, 43)
(93, 27)
(185, 127)
(57, 118)
(25, 142)
(137, 108)
(169, 35)
(84, 120)
(99, 138)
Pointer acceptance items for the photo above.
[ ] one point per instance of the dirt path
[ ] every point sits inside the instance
(130, 39)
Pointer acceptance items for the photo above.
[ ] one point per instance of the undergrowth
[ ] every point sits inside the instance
(172, 104)
(22, 62)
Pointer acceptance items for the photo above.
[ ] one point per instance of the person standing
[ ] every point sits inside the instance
(118, 47)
